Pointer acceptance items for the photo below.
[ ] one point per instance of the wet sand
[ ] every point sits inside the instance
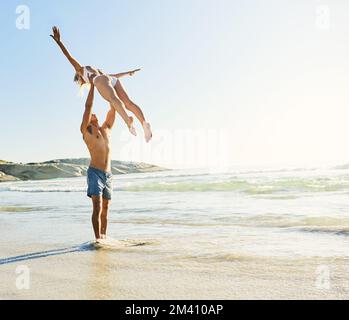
(146, 273)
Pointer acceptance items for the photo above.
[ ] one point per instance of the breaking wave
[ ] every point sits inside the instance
(250, 187)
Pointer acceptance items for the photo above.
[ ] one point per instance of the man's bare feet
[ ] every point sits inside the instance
(101, 241)
(147, 131)
(131, 126)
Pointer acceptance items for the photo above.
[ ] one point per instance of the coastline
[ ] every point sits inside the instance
(65, 168)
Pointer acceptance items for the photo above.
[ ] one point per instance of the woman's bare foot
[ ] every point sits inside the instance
(131, 126)
(147, 131)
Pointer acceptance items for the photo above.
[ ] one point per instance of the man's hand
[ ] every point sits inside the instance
(56, 34)
(91, 77)
(131, 73)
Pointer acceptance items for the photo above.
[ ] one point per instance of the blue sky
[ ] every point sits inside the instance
(265, 80)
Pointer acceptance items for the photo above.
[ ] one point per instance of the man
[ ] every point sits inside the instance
(99, 176)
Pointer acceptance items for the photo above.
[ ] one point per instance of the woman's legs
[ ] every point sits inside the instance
(105, 88)
(131, 106)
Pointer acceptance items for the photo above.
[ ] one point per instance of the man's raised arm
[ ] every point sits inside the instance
(88, 110)
(110, 119)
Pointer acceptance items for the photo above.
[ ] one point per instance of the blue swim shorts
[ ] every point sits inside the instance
(99, 183)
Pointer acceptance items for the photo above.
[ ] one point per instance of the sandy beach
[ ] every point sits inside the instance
(138, 274)
(233, 235)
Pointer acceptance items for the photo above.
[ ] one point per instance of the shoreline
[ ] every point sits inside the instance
(66, 168)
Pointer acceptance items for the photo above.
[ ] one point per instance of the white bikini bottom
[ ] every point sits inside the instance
(112, 79)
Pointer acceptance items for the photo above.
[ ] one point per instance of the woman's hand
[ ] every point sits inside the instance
(131, 73)
(56, 34)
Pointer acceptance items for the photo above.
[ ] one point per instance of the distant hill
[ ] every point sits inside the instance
(65, 168)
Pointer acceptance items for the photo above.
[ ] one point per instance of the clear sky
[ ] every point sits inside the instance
(223, 82)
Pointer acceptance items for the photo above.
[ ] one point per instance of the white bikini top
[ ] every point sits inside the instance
(87, 74)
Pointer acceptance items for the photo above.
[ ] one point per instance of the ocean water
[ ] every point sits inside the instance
(193, 214)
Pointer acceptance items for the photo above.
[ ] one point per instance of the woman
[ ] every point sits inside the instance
(109, 87)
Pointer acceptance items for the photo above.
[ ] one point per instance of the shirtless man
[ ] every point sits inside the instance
(99, 176)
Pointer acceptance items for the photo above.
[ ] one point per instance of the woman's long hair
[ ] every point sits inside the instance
(80, 81)
(78, 78)
(82, 84)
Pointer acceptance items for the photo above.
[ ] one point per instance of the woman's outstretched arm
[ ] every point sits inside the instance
(123, 74)
(56, 36)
